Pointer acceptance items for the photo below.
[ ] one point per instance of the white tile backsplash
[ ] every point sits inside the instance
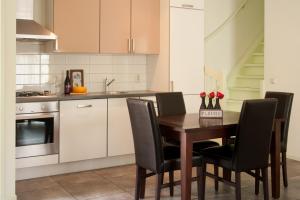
(78, 59)
(27, 69)
(101, 59)
(53, 59)
(29, 59)
(49, 70)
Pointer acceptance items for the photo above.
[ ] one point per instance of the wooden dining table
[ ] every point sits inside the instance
(189, 128)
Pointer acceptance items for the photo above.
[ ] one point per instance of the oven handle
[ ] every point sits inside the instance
(34, 116)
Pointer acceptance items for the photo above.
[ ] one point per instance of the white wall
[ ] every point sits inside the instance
(282, 60)
(7, 99)
(225, 48)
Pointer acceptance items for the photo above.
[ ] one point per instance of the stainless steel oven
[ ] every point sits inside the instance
(37, 129)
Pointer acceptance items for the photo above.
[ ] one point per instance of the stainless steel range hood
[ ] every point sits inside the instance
(27, 28)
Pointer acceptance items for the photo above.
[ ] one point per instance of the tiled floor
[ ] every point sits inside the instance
(118, 184)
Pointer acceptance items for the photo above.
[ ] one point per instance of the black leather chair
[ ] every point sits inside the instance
(284, 107)
(150, 154)
(251, 149)
(172, 103)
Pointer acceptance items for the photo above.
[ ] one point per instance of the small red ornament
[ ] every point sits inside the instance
(203, 94)
(220, 95)
(211, 95)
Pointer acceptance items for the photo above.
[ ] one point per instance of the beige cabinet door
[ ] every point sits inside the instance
(145, 23)
(115, 26)
(76, 23)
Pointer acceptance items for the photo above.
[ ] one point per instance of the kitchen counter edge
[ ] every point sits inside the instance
(96, 95)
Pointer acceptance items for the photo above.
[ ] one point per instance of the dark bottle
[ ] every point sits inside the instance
(67, 86)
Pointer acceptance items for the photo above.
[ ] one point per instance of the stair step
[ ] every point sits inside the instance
(234, 105)
(258, 54)
(253, 69)
(248, 81)
(257, 58)
(254, 65)
(244, 89)
(259, 77)
(242, 93)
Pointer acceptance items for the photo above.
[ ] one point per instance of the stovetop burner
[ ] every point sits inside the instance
(31, 93)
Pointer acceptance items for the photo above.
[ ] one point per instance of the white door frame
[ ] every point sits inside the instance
(7, 98)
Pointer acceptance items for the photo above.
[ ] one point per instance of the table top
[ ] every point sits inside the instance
(190, 122)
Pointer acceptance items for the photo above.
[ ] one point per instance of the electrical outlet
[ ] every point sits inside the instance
(138, 78)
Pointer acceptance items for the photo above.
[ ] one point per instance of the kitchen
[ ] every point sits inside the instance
(78, 131)
(123, 69)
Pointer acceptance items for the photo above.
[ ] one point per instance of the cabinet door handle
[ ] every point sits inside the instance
(133, 45)
(187, 6)
(84, 106)
(129, 45)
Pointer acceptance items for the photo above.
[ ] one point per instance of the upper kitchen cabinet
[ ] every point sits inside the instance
(145, 23)
(77, 25)
(130, 26)
(115, 26)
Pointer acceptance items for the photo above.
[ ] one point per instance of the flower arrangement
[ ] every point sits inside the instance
(218, 95)
(211, 111)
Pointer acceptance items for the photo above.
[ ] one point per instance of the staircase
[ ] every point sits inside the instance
(246, 84)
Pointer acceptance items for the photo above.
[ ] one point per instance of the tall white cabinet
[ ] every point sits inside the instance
(187, 46)
(187, 50)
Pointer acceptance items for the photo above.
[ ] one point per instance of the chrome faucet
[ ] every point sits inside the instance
(108, 83)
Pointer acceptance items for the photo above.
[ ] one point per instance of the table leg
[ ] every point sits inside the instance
(226, 172)
(186, 166)
(275, 161)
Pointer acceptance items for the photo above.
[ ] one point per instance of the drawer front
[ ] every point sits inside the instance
(189, 4)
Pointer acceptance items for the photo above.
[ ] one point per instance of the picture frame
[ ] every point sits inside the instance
(77, 77)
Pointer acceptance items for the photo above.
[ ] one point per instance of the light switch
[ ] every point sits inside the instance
(273, 80)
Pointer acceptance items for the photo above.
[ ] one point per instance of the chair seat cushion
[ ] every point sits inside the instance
(172, 158)
(221, 155)
(198, 146)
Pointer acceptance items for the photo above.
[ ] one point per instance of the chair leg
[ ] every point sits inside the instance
(159, 178)
(201, 174)
(171, 181)
(238, 195)
(257, 174)
(216, 173)
(284, 169)
(140, 183)
(265, 183)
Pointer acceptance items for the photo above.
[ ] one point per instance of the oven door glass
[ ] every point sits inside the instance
(34, 131)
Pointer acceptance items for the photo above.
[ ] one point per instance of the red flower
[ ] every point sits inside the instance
(211, 95)
(220, 95)
(203, 94)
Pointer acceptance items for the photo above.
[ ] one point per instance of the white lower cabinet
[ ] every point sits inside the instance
(120, 139)
(83, 130)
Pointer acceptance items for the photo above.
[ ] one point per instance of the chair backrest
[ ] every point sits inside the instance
(170, 103)
(254, 134)
(284, 107)
(146, 135)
